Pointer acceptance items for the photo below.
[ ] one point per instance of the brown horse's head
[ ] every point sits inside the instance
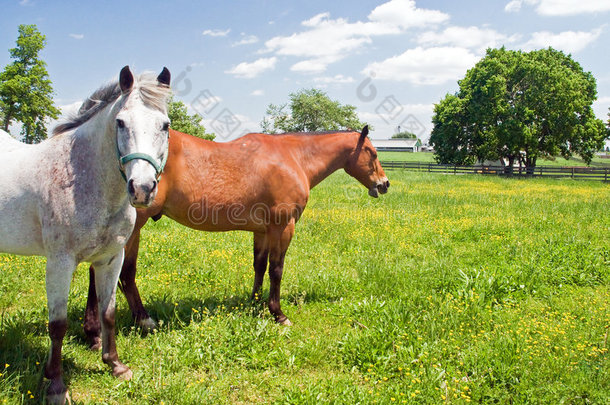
(364, 166)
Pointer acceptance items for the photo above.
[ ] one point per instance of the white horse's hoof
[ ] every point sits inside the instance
(148, 325)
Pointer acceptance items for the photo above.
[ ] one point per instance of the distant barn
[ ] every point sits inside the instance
(397, 145)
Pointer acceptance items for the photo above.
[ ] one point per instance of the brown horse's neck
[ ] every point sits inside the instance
(322, 155)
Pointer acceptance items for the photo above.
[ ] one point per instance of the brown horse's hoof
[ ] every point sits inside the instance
(285, 322)
(147, 325)
(96, 344)
(59, 399)
(57, 393)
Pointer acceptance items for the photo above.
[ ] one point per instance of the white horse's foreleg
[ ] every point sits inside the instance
(106, 278)
(58, 278)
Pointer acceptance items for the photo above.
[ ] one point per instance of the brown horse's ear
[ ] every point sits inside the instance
(126, 80)
(364, 133)
(164, 77)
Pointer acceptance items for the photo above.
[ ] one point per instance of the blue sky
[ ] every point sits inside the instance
(391, 59)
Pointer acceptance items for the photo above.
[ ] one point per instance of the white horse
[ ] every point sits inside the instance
(71, 198)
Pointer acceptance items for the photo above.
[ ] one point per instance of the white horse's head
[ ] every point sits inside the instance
(142, 132)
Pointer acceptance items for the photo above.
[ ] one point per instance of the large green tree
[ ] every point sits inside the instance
(519, 106)
(182, 121)
(310, 110)
(25, 87)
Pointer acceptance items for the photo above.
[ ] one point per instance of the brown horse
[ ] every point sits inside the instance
(258, 183)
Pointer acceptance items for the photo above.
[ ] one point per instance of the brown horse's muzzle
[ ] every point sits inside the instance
(379, 187)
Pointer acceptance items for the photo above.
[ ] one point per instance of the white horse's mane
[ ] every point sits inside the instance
(154, 95)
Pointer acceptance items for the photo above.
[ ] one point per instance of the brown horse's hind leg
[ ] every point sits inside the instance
(127, 283)
(91, 323)
(261, 256)
(279, 240)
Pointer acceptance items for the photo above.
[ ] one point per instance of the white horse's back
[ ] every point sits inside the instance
(7, 142)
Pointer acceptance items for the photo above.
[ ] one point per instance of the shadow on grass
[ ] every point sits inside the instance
(178, 313)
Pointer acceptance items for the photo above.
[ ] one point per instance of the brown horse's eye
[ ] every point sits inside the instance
(120, 123)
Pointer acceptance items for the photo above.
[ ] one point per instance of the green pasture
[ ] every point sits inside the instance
(448, 289)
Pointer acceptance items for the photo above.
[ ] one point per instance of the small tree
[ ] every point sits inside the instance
(310, 110)
(25, 87)
(404, 135)
(183, 122)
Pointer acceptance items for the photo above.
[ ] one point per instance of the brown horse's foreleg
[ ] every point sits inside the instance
(127, 283)
(261, 256)
(91, 322)
(279, 240)
(106, 279)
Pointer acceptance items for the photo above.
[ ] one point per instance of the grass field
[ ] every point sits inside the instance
(429, 157)
(449, 289)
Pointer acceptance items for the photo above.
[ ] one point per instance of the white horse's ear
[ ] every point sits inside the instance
(164, 77)
(126, 80)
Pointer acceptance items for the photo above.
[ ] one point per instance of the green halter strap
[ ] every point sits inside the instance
(123, 160)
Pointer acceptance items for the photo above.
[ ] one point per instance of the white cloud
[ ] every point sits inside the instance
(423, 66)
(325, 40)
(246, 40)
(313, 65)
(567, 41)
(77, 36)
(513, 6)
(258, 93)
(561, 7)
(247, 70)
(334, 79)
(405, 14)
(216, 33)
(468, 37)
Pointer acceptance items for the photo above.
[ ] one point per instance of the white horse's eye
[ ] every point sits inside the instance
(166, 126)
(120, 123)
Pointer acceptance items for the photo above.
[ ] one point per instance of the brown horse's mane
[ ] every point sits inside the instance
(314, 133)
